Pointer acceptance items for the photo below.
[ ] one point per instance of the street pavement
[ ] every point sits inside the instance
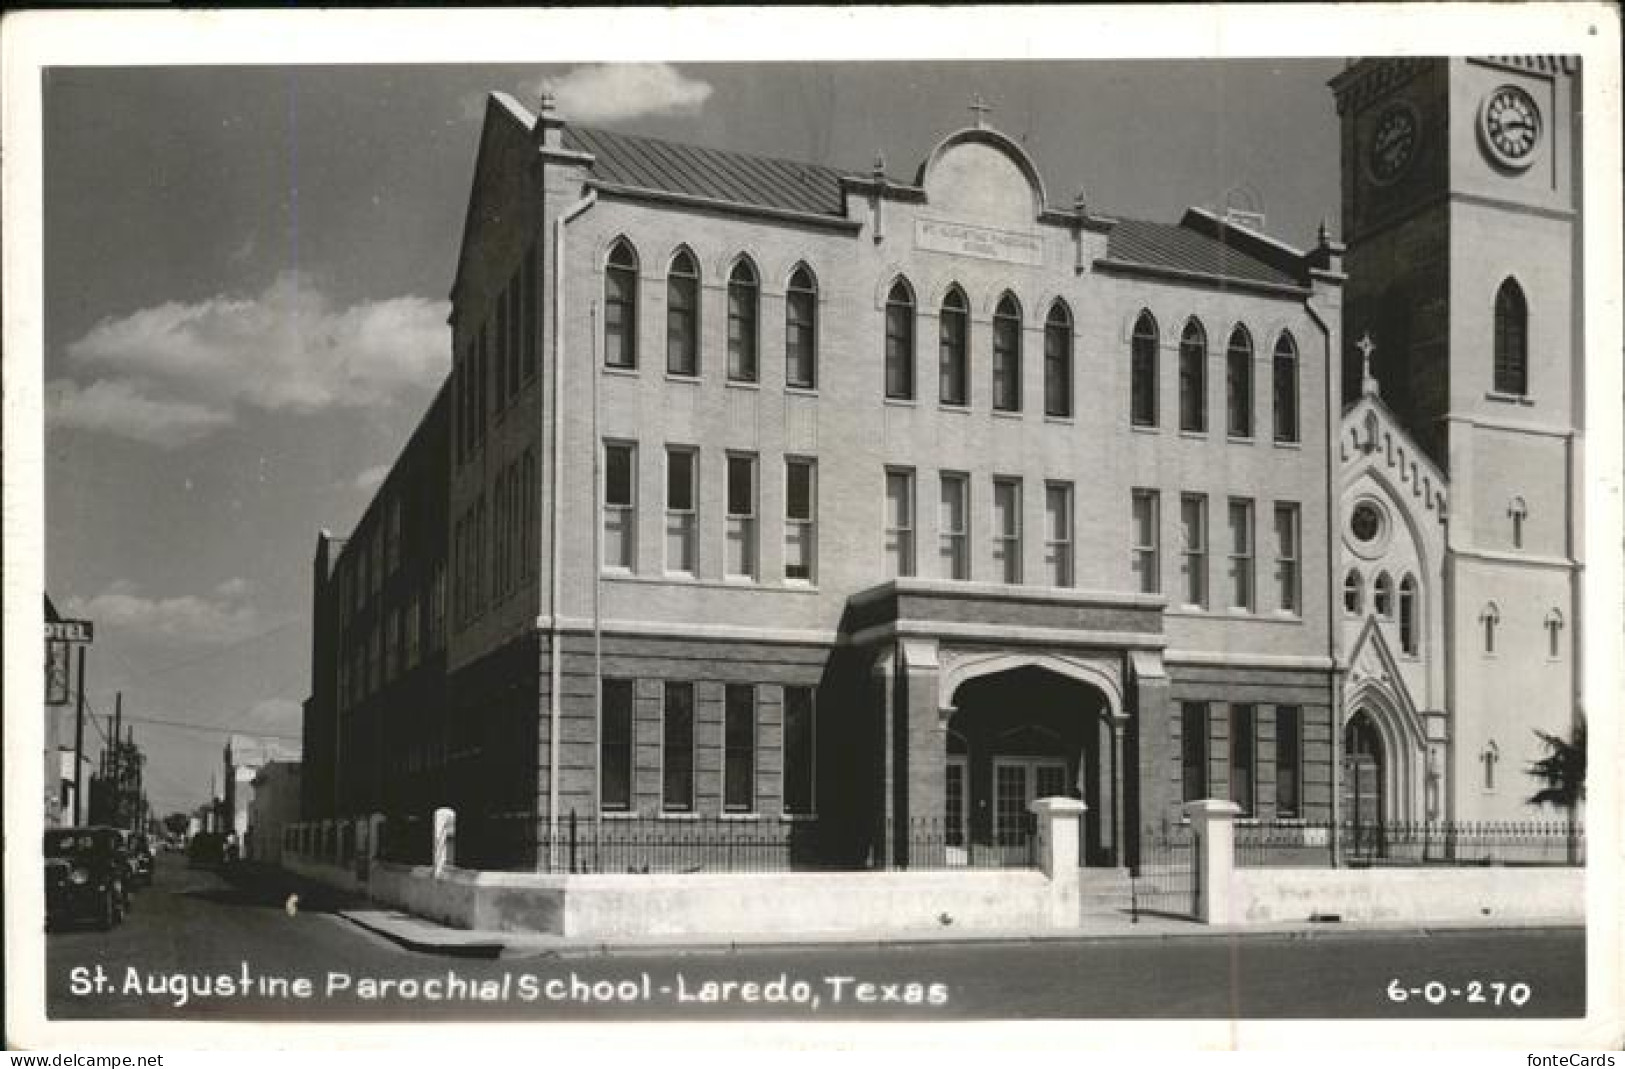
(201, 946)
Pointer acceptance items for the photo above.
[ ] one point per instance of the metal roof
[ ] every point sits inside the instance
(668, 167)
(648, 163)
(1183, 249)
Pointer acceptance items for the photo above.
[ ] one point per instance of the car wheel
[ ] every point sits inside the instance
(108, 914)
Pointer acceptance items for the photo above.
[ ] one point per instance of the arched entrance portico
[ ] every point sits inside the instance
(1024, 732)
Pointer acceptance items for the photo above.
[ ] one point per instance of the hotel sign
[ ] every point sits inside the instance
(982, 242)
(70, 631)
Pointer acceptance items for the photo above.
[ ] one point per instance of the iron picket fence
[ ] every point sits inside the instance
(1164, 878)
(1266, 844)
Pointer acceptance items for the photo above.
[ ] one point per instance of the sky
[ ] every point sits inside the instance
(246, 272)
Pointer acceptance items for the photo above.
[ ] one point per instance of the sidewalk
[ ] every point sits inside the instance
(425, 936)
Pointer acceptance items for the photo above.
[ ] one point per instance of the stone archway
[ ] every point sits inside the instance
(1023, 731)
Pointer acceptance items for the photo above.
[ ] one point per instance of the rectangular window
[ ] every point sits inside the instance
(1286, 558)
(1006, 362)
(1058, 533)
(482, 396)
(681, 511)
(620, 505)
(1241, 553)
(899, 350)
(954, 523)
(739, 749)
(1145, 541)
(412, 625)
(392, 644)
(615, 747)
(900, 522)
(1193, 750)
(1193, 533)
(800, 519)
(527, 301)
(1242, 748)
(741, 517)
(800, 747)
(500, 366)
(677, 748)
(1288, 761)
(1007, 529)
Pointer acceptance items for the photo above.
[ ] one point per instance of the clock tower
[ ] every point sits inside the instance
(1462, 214)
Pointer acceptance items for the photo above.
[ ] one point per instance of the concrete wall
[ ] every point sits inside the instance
(1406, 895)
(787, 903)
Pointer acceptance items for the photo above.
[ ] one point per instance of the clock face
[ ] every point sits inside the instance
(1510, 125)
(1393, 142)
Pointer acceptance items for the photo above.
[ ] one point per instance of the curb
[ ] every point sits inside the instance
(498, 946)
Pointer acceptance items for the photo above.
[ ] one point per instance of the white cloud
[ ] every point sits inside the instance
(276, 716)
(224, 616)
(615, 92)
(370, 478)
(117, 407)
(184, 369)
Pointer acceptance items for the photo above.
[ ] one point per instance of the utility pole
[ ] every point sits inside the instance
(79, 743)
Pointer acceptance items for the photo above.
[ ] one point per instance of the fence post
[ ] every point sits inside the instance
(375, 836)
(1058, 820)
(445, 839)
(1213, 822)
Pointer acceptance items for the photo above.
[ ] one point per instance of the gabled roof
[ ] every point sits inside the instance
(669, 167)
(1177, 247)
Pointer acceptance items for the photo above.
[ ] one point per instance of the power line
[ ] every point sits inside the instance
(217, 652)
(209, 729)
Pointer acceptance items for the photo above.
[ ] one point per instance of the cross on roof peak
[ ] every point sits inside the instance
(979, 108)
(1368, 381)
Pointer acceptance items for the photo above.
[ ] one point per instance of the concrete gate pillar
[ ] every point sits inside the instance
(1213, 822)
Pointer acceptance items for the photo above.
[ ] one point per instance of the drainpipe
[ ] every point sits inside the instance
(1334, 417)
(597, 551)
(555, 555)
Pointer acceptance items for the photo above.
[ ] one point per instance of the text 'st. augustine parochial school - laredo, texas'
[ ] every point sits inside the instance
(841, 499)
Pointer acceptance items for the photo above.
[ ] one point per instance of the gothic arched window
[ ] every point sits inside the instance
(1238, 384)
(621, 307)
(1143, 372)
(682, 316)
(1511, 340)
(1193, 377)
(1058, 361)
(743, 306)
(801, 330)
(953, 386)
(900, 342)
(1007, 355)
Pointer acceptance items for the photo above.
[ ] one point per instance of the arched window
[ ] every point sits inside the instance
(1490, 757)
(1238, 384)
(1407, 615)
(900, 342)
(801, 330)
(1193, 377)
(1058, 361)
(953, 342)
(1490, 619)
(1143, 372)
(682, 316)
(1554, 634)
(1382, 596)
(1007, 355)
(1353, 592)
(1511, 340)
(743, 302)
(621, 307)
(1286, 388)
(1517, 512)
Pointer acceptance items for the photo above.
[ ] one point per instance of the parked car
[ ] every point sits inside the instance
(206, 849)
(86, 876)
(141, 860)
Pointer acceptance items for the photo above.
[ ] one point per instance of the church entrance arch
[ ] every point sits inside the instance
(1023, 733)
(1364, 778)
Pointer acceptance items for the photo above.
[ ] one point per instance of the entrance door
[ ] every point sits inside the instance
(1362, 786)
(1017, 781)
(957, 797)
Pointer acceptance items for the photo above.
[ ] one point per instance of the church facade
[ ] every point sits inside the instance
(1461, 528)
(812, 498)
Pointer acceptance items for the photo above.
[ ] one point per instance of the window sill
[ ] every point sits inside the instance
(963, 410)
(1006, 413)
(687, 380)
(743, 384)
(618, 814)
(1064, 420)
(1188, 610)
(1187, 433)
(1144, 428)
(740, 580)
(625, 372)
(678, 814)
(1282, 443)
(900, 402)
(1241, 439)
(1510, 398)
(801, 391)
(797, 818)
(739, 816)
